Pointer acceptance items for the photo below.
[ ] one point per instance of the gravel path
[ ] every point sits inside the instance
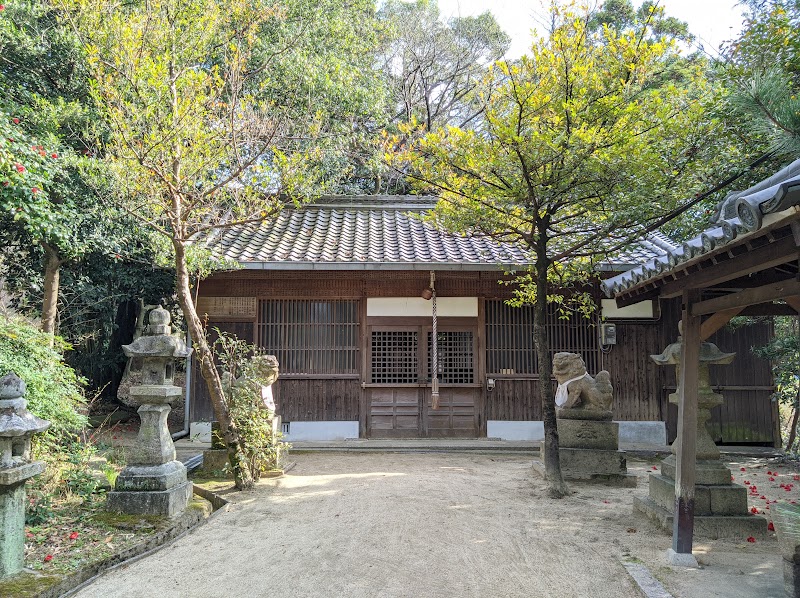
(395, 525)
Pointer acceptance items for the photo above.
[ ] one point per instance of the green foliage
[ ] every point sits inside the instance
(261, 447)
(54, 390)
(584, 142)
(763, 74)
(784, 353)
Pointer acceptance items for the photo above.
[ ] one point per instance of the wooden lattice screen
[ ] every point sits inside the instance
(456, 364)
(394, 357)
(510, 348)
(309, 336)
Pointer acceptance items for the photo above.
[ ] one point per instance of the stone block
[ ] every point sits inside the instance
(154, 394)
(727, 499)
(588, 434)
(735, 527)
(592, 461)
(12, 530)
(215, 459)
(151, 478)
(16, 475)
(711, 472)
(166, 503)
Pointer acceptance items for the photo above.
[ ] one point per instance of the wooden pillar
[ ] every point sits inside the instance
(683, 522)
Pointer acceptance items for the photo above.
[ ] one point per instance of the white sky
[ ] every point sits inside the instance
(711, 21)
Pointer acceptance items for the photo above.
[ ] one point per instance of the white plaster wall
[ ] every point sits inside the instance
(643, 433)
(641, 310)
(324, 430)
(457, 307)
(504, 430)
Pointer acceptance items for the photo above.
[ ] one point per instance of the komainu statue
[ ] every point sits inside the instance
(579, 396)
(257, 380)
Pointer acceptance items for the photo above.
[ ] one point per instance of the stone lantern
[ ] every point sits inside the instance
(17, 427)
(720, 506)
(154, 482)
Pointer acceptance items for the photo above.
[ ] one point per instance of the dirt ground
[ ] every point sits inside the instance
(433, 525)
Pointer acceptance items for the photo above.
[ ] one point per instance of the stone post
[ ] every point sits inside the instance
(154, 482)
(17, 426)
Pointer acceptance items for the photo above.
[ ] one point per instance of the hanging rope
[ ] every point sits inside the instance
(434, 350)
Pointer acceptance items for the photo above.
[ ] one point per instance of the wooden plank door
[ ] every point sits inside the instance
(393, 390)
(459, 391)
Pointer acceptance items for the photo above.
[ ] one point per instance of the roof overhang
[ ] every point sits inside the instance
(360, 266)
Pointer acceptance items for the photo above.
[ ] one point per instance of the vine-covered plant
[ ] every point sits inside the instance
(246, 372)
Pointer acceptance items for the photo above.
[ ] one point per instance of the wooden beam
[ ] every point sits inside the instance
(717, 321)
(683, 515)
(794, 303)
(765, 294)
(769, 309)
(768, 256)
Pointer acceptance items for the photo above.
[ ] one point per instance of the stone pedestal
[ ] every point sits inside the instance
(154, 482)
(588, 452)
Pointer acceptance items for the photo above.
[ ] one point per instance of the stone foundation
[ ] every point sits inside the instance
(151, 490)
(720, 507)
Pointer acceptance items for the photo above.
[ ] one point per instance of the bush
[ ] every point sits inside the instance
(54, 390)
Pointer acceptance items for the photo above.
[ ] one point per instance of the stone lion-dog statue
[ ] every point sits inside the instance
(579, 396)
(257, 379)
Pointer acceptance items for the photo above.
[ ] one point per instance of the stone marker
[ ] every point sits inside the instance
(154, 482)
(17, 426)
(720, 507)
(588, 440)
(786, 518)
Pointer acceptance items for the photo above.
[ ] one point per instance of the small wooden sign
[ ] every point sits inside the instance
(228, 308)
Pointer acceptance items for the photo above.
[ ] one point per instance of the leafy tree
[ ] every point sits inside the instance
(584, 142)
(432, 70)
(45, 116)
(763, 74)
(620, 15)
(197, 140)
(784, 353)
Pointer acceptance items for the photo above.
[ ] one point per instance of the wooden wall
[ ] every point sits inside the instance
(641, 387)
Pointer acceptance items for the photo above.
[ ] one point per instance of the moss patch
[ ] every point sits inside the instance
(25, 585)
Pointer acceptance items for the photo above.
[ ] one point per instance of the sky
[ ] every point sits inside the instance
(711, 21)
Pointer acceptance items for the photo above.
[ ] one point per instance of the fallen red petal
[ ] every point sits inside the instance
(771, 527)
(751, 539)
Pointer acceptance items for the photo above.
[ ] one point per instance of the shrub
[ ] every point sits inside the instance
(54, 390)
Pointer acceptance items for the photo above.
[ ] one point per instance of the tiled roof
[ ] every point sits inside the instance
(377, 232)
(740, 214)
(361, 232)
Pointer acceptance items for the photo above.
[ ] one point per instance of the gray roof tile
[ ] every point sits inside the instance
(739, 214)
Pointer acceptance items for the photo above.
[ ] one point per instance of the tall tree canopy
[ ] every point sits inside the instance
(208, 130)
(584, 141)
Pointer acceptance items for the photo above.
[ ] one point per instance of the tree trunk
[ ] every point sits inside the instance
(52, 277)
(205, 358)
(793, 426)
(552, 464)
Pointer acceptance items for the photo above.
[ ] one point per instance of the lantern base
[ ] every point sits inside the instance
(157, 490)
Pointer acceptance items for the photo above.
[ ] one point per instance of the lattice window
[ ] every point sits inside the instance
(509, 338)
(456, 363)
(309, 336)
(394, 357)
